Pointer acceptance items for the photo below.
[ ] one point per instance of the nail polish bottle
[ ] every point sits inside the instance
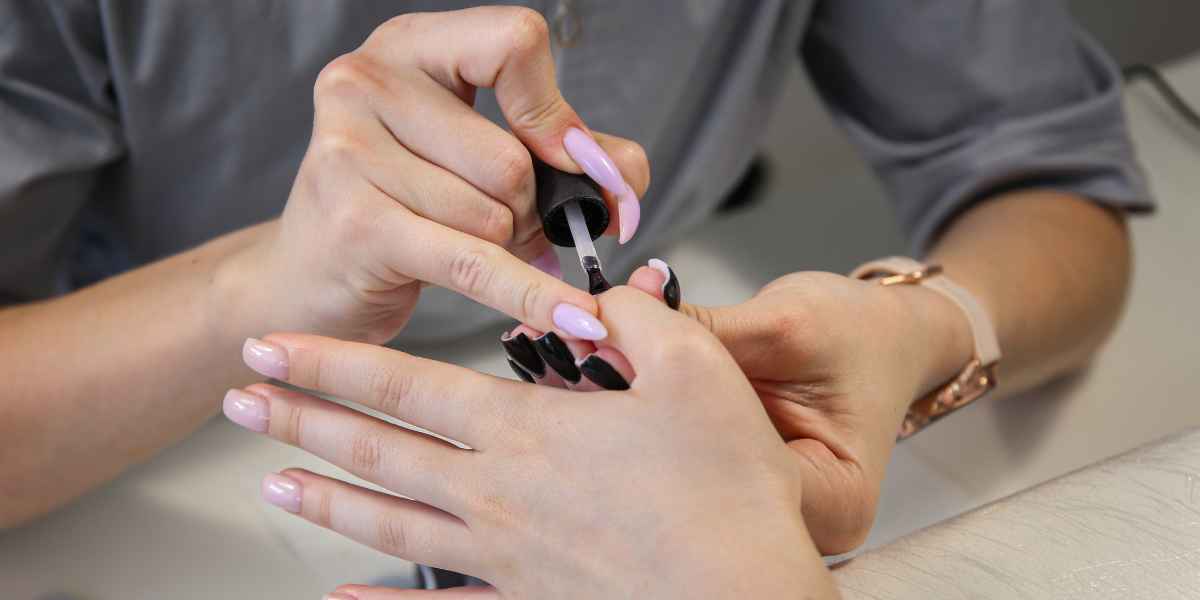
(556, 192)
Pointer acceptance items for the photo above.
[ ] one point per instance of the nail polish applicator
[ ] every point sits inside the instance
(573, 214)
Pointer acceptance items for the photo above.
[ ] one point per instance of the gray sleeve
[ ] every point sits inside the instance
(954, 100)
(58, 127)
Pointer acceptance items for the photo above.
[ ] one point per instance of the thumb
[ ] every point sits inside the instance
(658, 279)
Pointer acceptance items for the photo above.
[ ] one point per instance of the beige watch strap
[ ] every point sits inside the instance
(987, 348)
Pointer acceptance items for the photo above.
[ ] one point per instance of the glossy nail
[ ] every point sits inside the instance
(266, 358)
(548, 263)
(576, 322)
(599, 372)
(340, 596)
(556, 354)
(520, 350)
(594, 161)
(629, 214)
(520, 372)
(282, 491)
(246, 409)
(670, 286)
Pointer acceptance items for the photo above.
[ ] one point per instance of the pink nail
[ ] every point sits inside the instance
(548, 263)
(246, 409)
(594, 161)
(282, 491)
(266, 358)
(576, 322)
(629, 214)
(340, 596)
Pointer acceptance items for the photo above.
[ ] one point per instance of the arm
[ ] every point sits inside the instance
(105, 377)
(1051, 269)
(108, 375)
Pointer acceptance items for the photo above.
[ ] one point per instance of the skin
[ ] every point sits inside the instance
(653, 506)
(836, 362)
(365, 226)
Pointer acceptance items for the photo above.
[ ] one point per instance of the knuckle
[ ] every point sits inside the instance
(335, 150)
(543, 109)
(346, 76)
(293, 426)
(531, 298)
(528, 31)
(471, 270)
(390, 389)
(392, 534)
(399, 26)
(498, 225)
(513, 168)
(365, 453)
(323, 515)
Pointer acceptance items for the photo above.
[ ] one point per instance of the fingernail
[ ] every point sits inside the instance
(524, 375)
(670, 286)
(556, 354)
(578, 323)
(629, 214)
(599, 372)
(520, 350)
(549, 264)
(340, 596)
(281, 491)
(266, 358)
(246, 409)
(594, 161)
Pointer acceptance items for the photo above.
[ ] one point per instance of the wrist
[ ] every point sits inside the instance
(940, 334)
(240, 297)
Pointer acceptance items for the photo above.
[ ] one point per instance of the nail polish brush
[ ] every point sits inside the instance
(573, 214)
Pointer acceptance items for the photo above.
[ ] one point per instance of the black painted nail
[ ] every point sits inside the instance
(520, 350)
(522, 373)
(556, 354)
(599, 372)
(670, 288)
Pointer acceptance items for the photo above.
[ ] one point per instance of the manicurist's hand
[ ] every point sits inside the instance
(835, 362)
(405, 183)
(678, 487)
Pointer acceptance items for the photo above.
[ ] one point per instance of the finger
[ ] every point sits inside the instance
(828, 482)
(651, 336)
(624, 182)
(659, 280)
(435, 125)
(348, 131)
(505, 48)
(452, 401)
(561, 355)
(396, 526)
(366, 592)
(410, 463)
(606, 369)
(486, 273)
(523, 357)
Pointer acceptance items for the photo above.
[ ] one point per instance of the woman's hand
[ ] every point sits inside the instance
(404, 183)
(835, 362)
(676, 488)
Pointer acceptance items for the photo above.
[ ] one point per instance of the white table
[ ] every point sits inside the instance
(189, 524)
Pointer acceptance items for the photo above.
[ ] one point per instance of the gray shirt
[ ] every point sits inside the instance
(134, 129)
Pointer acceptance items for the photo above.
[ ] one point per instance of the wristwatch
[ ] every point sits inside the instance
(978, 377)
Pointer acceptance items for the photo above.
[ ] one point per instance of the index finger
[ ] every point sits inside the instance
(486, 273)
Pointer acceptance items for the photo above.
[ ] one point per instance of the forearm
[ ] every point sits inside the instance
(1052, 270)
(105, 377)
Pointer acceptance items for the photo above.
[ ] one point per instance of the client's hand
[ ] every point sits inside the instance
(676, 488)
(835, 361)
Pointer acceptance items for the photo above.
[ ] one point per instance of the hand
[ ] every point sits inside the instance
(676, 488)
(404, 183)
(835, 362)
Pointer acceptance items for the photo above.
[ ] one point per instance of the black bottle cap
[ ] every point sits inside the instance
(554, 189)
